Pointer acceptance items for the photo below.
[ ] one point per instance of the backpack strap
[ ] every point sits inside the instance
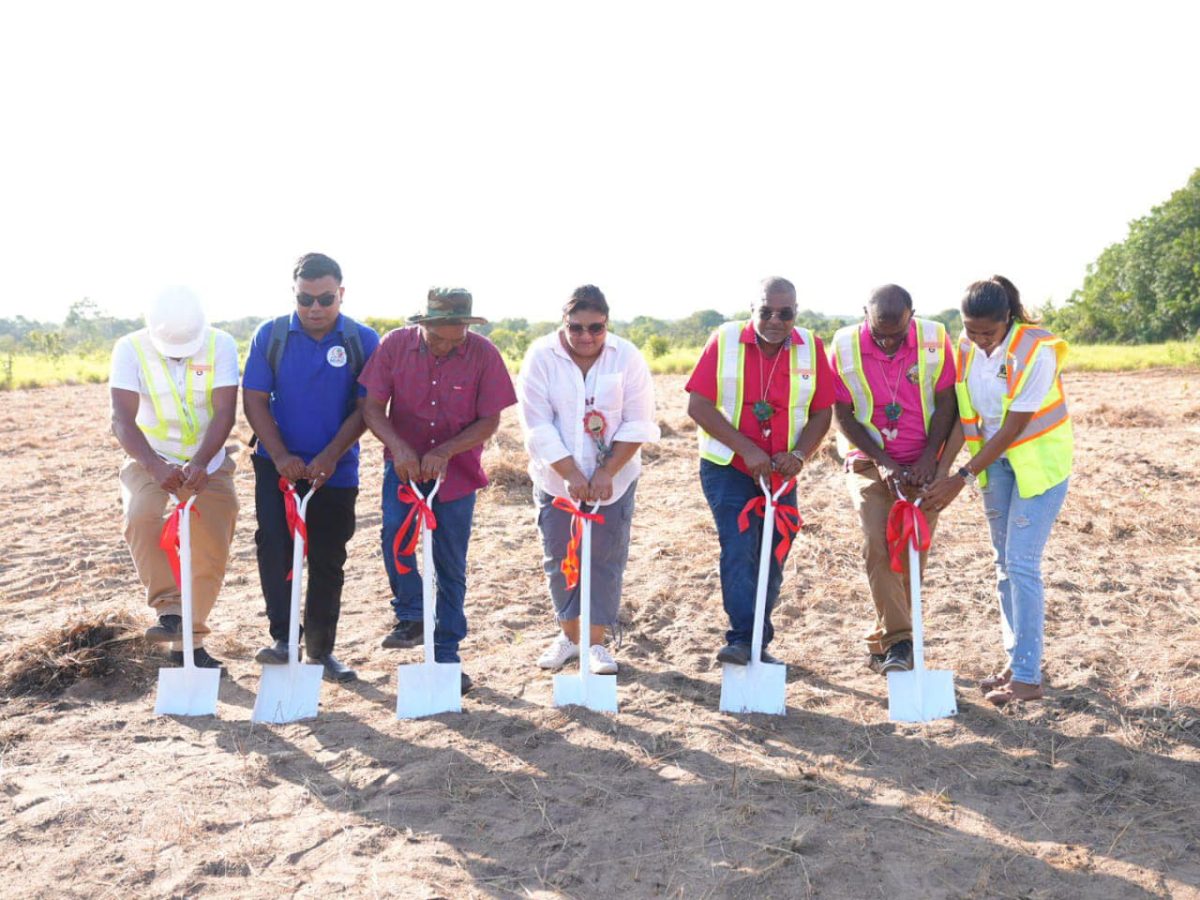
(279, 336)
(352, 338)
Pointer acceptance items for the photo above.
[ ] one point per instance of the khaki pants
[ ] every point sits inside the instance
(145, 506)
(893, 605)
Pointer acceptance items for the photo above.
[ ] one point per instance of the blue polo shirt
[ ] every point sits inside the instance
(314, 392)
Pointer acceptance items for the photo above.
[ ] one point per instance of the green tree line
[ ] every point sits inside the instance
(1145, 289)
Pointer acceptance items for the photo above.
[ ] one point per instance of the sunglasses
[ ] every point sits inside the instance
(307, 300)
(596, 328)
(783, 315)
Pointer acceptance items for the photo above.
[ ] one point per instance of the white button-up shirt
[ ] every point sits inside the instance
(554, 396)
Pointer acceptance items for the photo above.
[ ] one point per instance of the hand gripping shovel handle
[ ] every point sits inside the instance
(185, 581)
(298, 542)
(428, 602)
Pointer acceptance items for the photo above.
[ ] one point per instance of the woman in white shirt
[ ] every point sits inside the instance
(587, 405)
(1013, 418)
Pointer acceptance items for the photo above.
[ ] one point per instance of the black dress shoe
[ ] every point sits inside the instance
(899, 657)
(335, 670)
(168, 629)
(737, 654)
(876, 661)
(466, 682)
(201, 658)
(275, 655)
(773, 660)
(405, 634)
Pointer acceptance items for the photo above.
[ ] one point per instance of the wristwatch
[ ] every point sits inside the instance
(965, 474)
(799, 457)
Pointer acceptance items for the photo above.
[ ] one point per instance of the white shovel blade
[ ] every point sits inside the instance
(288, 693)
(426, 689)
(935, 699)
(187, 691)
(598, 693)
(757, 687)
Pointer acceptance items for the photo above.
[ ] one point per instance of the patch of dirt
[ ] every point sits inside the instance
(1094, 792)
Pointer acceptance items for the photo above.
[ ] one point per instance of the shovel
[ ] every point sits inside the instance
(598, 692)
(919, 696)
(292, 692)
(428, 688)
(187, 691)
(758, 686)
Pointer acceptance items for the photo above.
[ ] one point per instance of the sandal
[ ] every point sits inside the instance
(1014, 690)
(993, 682)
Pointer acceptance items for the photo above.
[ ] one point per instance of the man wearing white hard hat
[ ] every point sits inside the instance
(174, 398)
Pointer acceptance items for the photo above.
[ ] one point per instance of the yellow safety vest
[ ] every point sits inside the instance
(179, 422)
(931, 359)
(731, 368)
(1042, 453)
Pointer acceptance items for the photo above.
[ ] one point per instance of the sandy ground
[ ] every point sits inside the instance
(1094, 792)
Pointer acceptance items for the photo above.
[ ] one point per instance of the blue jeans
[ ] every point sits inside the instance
(727, 490)
(1020, 527)
(450, 540)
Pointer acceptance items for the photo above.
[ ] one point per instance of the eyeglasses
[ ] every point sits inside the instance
(783, 315)
(307, 300)
(596, 328)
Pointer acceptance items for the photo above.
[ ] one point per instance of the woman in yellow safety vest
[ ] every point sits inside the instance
(1014, 421)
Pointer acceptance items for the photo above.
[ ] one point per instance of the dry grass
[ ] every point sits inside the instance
(92, 644)
(1091, 793)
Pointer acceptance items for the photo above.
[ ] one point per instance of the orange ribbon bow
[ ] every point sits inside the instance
(570, 563)
(906, 522)
(787, 520)
(292, 511)
(169, 539)
(419, 515)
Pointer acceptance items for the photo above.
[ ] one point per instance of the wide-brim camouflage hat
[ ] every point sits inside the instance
(447, 306)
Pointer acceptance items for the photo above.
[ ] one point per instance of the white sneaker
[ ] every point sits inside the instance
(602, 662)
(560, 652)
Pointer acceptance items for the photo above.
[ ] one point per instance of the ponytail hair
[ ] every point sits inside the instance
(996, 299)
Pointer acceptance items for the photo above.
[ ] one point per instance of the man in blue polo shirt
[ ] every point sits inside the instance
(301, 397)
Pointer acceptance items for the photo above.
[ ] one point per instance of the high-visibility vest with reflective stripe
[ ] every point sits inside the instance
(731, 368)
(1042, 453)
(173, 424)
(931, 359)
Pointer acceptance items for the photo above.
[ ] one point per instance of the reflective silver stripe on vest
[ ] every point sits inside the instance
(803, 378)
(847, 352)
(1020, 352)
(1043, 421)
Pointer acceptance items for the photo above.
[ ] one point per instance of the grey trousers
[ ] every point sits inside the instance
(610, 552)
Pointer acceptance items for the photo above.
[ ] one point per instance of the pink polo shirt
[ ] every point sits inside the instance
(895, 376)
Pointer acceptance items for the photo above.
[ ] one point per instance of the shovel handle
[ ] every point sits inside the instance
(185, 581)
(428, 602)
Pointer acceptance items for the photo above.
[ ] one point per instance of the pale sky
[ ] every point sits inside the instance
(672, 153)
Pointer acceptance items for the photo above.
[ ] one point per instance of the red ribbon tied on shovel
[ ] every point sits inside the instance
(169, 539)
(294, 522)
(419, 516)
(570, 563)
(787, 521)
(906, 523)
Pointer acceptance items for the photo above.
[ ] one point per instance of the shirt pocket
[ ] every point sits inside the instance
(610, 394)
(460, 403)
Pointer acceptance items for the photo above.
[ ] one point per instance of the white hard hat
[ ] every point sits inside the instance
(175, 320)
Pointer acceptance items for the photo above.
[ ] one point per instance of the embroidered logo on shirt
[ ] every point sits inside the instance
(336, 356)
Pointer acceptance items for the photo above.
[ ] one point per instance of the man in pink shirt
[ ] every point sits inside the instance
(895, 406)
(435, 392)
